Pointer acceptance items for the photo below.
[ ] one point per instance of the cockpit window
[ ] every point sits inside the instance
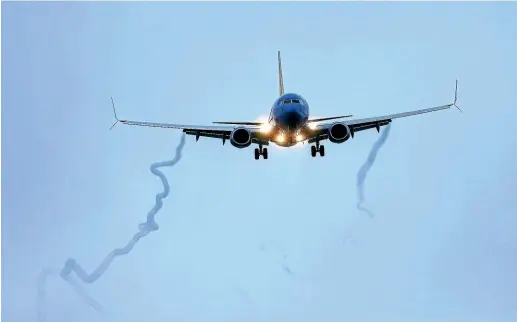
(294, 101)
(291, 101)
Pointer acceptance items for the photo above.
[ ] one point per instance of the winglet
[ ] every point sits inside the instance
(456, 97)
(114, 113)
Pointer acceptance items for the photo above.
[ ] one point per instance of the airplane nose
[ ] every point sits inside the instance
(292, 117)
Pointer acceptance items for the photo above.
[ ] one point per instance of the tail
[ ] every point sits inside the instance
(280, 77)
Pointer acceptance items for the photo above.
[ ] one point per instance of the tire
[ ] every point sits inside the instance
(257, 154)
(313, 151)
(264, 153)
(322, 150)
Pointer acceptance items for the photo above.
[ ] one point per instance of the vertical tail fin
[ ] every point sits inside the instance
(280, 76)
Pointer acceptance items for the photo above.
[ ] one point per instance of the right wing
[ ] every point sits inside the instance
(218, 132)
(320, 132)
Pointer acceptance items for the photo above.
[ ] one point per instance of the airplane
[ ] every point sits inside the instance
(288, 124)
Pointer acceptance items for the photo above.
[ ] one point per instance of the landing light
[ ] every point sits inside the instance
(313, 126)
(280, 138)
(299, 138)
(265, 128)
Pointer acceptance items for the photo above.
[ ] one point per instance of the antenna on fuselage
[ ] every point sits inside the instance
(280, 76)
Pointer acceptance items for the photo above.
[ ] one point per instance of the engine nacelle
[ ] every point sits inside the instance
(339, 132)
(240, 138)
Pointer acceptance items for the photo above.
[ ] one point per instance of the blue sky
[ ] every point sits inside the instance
(442, 247)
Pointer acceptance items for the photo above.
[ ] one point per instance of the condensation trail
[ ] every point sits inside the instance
(363, 171)
(144, 229)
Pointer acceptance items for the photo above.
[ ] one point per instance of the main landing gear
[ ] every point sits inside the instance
(317, 148)
(260, 152)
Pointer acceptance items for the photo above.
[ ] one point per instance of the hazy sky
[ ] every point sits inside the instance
(441, 248)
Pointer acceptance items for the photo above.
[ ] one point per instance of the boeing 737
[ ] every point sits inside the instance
(288, 124)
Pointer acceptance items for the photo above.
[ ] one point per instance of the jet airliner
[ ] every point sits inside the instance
(288, 124)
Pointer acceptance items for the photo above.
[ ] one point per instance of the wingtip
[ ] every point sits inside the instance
(116, 122)
(456, 97)
(114, 110)
(114, 114)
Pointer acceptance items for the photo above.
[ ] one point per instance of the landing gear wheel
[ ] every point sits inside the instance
(313, 151)
(257, 154)
(264, 153)
(322, 151)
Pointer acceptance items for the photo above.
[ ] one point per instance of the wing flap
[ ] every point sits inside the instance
(367, 126)
(215, 135)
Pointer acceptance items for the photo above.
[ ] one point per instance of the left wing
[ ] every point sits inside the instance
(218, 132)
(320, 132)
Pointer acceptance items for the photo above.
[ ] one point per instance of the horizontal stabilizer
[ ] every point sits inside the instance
(328, 118)
(241, 123)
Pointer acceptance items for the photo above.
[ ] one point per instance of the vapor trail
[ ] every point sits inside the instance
(144, 228)
(363, 171)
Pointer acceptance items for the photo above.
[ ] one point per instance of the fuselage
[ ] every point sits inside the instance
(288, 118)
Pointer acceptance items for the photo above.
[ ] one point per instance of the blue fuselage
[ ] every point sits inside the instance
(289, 113)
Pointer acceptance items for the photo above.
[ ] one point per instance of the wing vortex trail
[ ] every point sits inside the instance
(363, 171)
(144, 228)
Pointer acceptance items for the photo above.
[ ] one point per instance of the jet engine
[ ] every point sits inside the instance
(339, 132)
(240, 138)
